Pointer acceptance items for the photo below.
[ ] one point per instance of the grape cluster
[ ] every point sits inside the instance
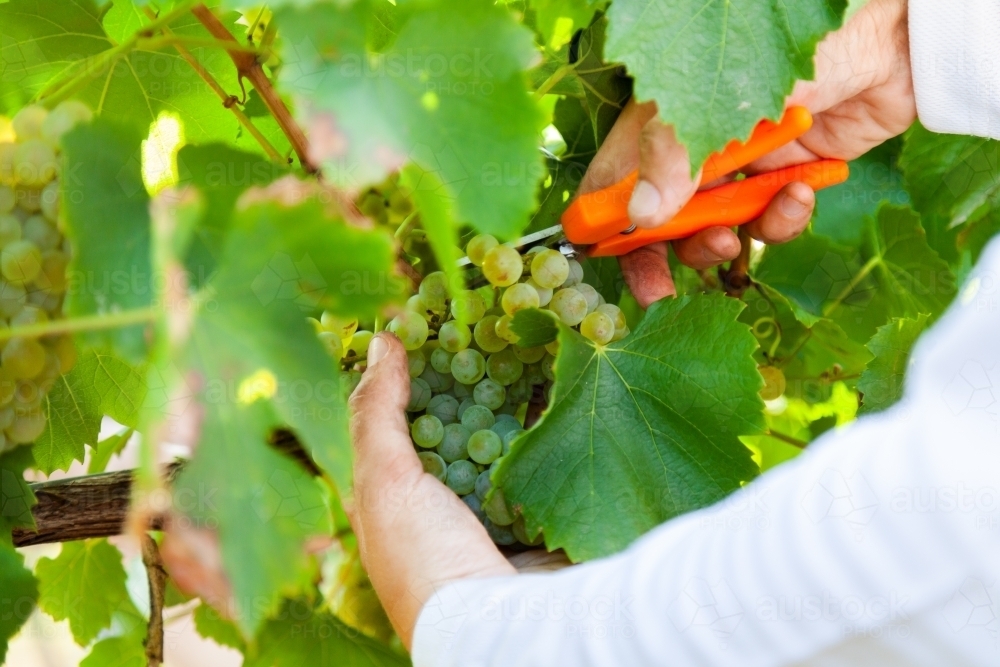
(470, 379)
(33, 260)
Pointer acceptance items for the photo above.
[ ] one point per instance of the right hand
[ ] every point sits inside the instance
(862, 96)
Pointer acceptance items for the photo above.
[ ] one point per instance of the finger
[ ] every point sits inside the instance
(647, 273)
(786, 216)
(379, 432)
(665, 182)
(708, 248)
(618, 156)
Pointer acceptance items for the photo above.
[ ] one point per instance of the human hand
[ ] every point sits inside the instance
(414, 534)
(862, 95)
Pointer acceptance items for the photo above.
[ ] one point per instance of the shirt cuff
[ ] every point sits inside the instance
(955, 58)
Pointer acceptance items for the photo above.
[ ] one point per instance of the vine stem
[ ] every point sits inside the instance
(737, 277)
(227, 100)
(64, 89)
(247, 67)
(553, 79)
(855, 281)
(76, 324)
(157, 585)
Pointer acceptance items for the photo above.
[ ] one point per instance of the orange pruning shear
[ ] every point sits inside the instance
(600, 219)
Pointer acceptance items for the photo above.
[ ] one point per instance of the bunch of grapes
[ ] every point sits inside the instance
(471, 381)
(33, 260)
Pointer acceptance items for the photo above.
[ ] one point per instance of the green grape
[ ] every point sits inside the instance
(344, 327)
(454, 445)
(509, 419)
(420, 395)
(544, 293)
(478, 246)
(418, 304)
(29, 200)
(521, 534)
(496, 509)
(454, 336)
(549, 367)
(575, 276)
(502, 266)
(774, 382)
(620, 333)
(29, 315)
(478, 418)
(615, 313)
(65, 351)
(508, 439)
(8, 414)
(476, 505)
(508, 408)
(438, 382)
(460, 390)
(553, 347)
(489, 294)
(314, 323)
(27, 427)
(332, 344)
(518, 297)
(7, 200)
(533, 374)
(22, 358)
(483, 484)
(591, 295)
(529, 355)
(427, 431)
(409, 326)
(50, 201)
(444, 407)
(462, 477)
(466, 403)
(549, 269)
(485, 447)
(28, 122)
(10, 230)
(598, 327)
(504, 367)
(504, 331)
(34, 163)
(501, 535)
(504, 426)
(415, 358)
(441, 360)
(433, 465)
(520, 391)
(12, 299)
(468, 366)
(569, 306)
(468, 307)
(358, 347)
(434, 287)
(63, 118)
(7, 151)
(490, 394)
(486, 334)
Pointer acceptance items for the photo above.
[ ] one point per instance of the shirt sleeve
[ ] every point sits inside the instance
(955, 56)
(878, 545)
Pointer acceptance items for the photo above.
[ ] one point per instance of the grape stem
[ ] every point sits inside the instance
(795, 442)
(227, 100)
(77, 324)
(737, 278)
(248, 67)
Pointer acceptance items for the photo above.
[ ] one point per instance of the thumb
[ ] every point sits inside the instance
(379, 431)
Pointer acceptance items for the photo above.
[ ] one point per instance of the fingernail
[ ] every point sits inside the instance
(710, 255)
(792, 207)
(645, 201)
(377, 350)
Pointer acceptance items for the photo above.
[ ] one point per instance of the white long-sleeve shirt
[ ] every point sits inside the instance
(879, 545)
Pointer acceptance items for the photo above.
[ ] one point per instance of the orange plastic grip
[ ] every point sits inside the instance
(598, 215)
(729, 205)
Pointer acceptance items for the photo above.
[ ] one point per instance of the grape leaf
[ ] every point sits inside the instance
(107, 220)
(107, 448)
(211, 625)
(449, 95)
(716, 68)
(882, 381)
(100, 384)
(84, 584)
(20, 592)
(16, 497)
(557, 20)
(875, 178)
(302, 635)
(44, 40)
(893, 273)
(436, 207)
(116, 652)
(610, 459)
(535, 327)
